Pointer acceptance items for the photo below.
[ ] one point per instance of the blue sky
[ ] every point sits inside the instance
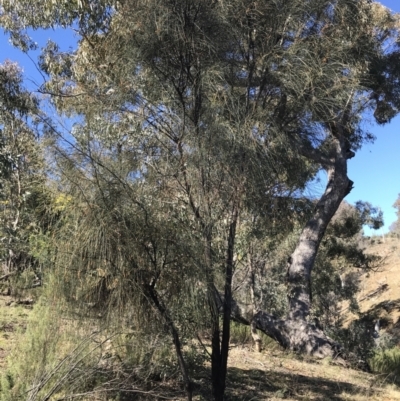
(375, 169)
(65, 38)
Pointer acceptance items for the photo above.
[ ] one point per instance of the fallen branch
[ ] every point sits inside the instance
(6, 276)
(28, 301)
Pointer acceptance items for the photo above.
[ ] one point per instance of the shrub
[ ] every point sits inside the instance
(59, 356)
(240, 334)
(387, 361)
(357, 340)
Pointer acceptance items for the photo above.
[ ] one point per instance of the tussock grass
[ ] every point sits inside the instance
(387, 362)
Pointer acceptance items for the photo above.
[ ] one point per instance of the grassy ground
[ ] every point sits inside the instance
(13, 318)
(380, 289)
(278, 375)
(275, 374)
(270, 375)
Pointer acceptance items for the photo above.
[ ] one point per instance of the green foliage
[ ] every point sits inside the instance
(37, 351)
(58, 356)
(387, 361)
(357, 340)
(340, 261)
(240, 334)
(22, 178)
(197, 127)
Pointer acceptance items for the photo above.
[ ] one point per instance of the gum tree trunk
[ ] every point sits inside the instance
(301, 261)
(295, 332)
(297, 335)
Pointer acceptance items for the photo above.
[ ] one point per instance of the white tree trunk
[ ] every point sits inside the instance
(295, 332)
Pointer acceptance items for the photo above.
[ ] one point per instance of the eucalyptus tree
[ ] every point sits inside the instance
(197, 144)
(238, 103)
(395, 226)
(21, 172)
(361, 60)
(340, 262)
(194, 159)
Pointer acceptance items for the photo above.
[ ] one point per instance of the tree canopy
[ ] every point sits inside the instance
(197, 126)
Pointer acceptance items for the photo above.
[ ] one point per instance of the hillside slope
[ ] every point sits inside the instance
(274, 375)
(380, 288)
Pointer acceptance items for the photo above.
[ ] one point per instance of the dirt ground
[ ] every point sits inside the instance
(275, 374)
(380, 288)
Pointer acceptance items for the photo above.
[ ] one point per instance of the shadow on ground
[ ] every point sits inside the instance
(257, 384)
(388, 306)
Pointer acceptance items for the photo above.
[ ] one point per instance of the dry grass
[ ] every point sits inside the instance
(278, 375)
(13, 318)
(271, 375)
(380, 289)
(275, 374)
